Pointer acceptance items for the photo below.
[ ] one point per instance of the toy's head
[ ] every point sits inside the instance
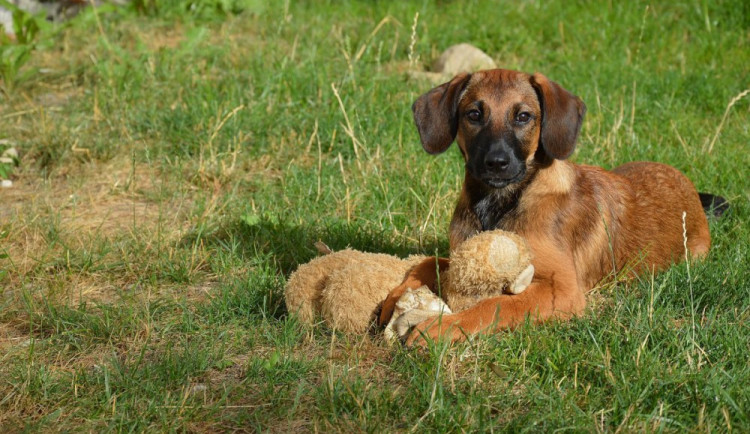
(489, 264)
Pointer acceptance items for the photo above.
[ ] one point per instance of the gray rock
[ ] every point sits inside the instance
(455, 60)
(198, 388)
(462, 58)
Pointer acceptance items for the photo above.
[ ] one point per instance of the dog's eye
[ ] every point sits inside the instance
(474, 115)
(523, 117)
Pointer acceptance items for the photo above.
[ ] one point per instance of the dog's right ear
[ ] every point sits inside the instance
(435, 114)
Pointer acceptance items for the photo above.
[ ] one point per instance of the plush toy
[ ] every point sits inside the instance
(346, 288)
(488, 264)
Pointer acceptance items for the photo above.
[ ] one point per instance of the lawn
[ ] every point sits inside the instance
(179, 159)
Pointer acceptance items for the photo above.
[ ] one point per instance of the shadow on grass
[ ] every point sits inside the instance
(290, 245)
(274, 248)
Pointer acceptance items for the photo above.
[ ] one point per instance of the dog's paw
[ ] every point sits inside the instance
(435, 329)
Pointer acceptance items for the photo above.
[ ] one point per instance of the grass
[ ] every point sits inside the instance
(178, 162)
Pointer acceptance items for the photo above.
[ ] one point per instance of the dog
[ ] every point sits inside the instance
(582, 223)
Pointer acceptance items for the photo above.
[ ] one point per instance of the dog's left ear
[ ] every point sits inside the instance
(435, 114)
(562, 115)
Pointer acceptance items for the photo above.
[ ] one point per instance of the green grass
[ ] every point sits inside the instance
(177, 164)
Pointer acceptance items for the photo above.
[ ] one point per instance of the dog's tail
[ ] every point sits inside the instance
(714, 205)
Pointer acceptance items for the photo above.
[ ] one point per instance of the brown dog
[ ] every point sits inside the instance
(582, 223)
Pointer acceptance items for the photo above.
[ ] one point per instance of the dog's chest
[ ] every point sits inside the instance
(495, 212)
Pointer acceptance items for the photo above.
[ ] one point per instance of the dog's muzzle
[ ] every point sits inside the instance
(501, 169)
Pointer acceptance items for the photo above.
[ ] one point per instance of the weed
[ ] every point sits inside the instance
(15, 55)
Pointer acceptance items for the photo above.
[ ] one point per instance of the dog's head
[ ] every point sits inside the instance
(503, 121)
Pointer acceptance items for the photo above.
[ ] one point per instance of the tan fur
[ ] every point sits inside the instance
(486, 265)
(345, 288)
(414, 307)
(353, 293)
(304, 287)
(580, 222)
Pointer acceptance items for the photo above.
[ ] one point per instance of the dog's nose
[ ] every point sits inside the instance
(496, 161)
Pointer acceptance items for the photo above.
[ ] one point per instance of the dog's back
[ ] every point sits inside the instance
(661, 194)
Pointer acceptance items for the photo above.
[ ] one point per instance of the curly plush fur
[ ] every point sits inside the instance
(415, 306)
(488, 264)
(345, 287)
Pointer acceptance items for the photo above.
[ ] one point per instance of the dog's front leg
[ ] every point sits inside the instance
(426, 272)
(554, 293)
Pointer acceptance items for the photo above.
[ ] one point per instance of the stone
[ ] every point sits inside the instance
(455, 60)
(462, 58)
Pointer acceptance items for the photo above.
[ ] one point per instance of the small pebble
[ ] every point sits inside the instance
(198, 388)
(6, 183)
(10, 153)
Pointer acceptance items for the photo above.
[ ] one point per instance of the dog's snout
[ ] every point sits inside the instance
(496, 161)
(499, 167)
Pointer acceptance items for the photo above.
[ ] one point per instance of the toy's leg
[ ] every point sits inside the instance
(305, 286)
(351, 297)
(426, 272)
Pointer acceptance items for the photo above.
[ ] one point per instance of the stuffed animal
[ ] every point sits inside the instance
(346, 288)
(488, 264)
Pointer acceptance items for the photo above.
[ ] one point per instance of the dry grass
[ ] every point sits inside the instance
(89, 201)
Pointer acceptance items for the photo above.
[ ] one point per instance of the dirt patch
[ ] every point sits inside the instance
(105, 197)
(167, 38)
(84, 210)
(11, 336)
